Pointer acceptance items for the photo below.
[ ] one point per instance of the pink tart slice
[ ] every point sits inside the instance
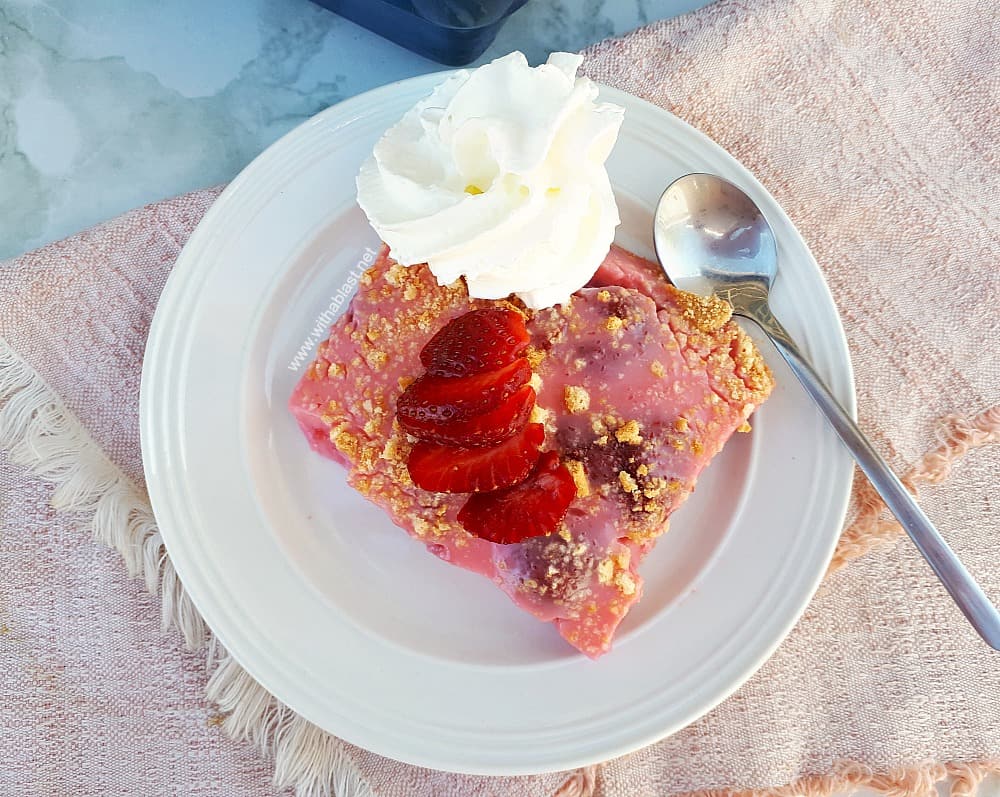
(636, 387)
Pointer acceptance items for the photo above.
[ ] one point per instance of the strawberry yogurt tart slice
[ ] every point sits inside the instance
(634, 387)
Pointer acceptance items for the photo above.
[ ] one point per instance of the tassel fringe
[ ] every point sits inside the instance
(847, 777)
(872, 526)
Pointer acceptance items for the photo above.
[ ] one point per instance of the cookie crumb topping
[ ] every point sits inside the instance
(629, 433)
(576, 399)
(579, 475)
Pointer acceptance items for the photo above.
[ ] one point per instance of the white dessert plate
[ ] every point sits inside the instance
(352, 623)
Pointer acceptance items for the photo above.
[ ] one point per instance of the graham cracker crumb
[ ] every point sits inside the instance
(645, 534)
(681, 424)
(368, 456)
(744, 427)
(395, 450)
(614, 323)
(654, 487)
(606, 571)
(575, 467)
(539, 415)
(604, 296)
(421, 527)
(579, 364)
(750, 366)
(625, 582)
(345, 442)
(642, 470)
(629, 433)
(535, 357)
(627, 482)
(706, 313)
(335, 370)
(576, 399)
(657, 368)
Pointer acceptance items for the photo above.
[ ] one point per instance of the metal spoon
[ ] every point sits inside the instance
(710, 237)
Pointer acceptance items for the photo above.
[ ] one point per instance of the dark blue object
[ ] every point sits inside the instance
(452, 32)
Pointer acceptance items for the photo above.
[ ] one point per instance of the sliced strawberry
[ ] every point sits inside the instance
(432, 405)
(529, 509)
(480, 340)
(454, 469)
(489, 429)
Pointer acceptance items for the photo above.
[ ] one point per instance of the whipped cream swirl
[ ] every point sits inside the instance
(498, 177)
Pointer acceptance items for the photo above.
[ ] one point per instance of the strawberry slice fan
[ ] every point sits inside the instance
(470, 412)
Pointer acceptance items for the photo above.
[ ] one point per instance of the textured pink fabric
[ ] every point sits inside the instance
(874, 124)
(78, 312)
(94, 699)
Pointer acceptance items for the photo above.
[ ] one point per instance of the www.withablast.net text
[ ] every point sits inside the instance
(322, 325)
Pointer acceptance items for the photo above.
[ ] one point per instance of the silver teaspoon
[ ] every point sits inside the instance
(710, 237)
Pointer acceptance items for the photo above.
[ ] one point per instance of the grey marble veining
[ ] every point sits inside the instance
(109, 104)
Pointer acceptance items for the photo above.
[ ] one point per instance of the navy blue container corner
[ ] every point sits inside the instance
(451, 32)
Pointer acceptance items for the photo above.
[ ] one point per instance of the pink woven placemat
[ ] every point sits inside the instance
(874, 124)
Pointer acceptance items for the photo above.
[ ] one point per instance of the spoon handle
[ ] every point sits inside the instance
(956, 579)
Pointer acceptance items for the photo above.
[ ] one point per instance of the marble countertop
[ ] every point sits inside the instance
(110, 104)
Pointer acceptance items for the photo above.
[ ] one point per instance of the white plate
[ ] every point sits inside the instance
(351, 623)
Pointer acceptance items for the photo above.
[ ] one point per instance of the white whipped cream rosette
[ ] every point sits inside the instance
(498, 176)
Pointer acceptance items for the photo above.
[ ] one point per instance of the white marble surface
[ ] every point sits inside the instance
(109, 104)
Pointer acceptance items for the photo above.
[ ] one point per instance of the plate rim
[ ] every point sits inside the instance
(157, 343)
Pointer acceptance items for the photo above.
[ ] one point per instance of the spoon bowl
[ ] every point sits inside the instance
(711, 238)
(711, 233)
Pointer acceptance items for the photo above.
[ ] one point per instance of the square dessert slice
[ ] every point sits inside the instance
(638, 386)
